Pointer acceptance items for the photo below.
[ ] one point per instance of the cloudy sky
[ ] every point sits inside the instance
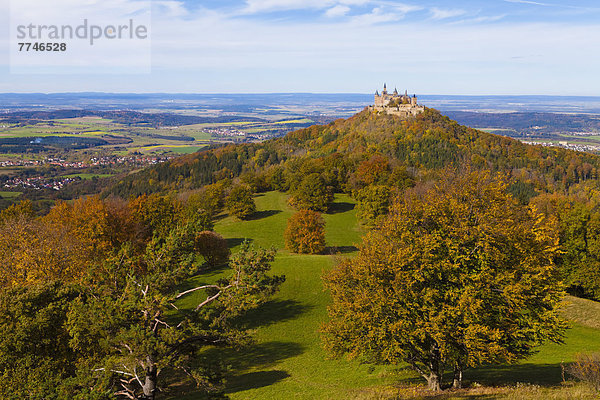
(546, 47)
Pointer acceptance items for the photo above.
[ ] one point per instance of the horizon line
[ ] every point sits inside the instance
(277, 93)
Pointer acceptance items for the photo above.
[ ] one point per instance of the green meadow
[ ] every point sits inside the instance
(287, 360)
(10, 195)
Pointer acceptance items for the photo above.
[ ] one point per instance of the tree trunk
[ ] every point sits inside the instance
(458, 374)
(436, 370)
(434, 382)
(149, 386)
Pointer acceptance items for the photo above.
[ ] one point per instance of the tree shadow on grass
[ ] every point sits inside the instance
(333, 250)
(262, 355)
(257, 356)
(255, 380)
(220, 216)
(538, 374)
(271, 312)
(548, 375)
(462, 394)
(338, 208)
(263, 214)
(234, 242)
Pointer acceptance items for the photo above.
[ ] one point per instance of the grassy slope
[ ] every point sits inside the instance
(288, 361)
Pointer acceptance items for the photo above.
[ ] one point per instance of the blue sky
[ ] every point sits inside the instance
(546, 47)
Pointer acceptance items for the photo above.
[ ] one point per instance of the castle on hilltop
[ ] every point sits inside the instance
(396, 104)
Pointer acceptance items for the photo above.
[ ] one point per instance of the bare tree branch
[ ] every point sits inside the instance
(158, 321)
(137, 377)
(198, 288)
(115, 371)
(208, 300)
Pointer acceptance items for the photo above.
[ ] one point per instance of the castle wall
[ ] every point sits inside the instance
(403, 110)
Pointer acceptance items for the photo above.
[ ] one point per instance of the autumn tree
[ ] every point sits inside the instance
(458, 275)
(312, 193)
(240, 203)
(212, 246)
(372, 171)
(158, 214)
(305, 233)
(38, 250)
(209, 199)
(79, 236)
(21, 209)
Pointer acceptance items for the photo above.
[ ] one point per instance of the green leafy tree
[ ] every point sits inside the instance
(305, 233)
(208, 200)
(277, 179)
(158, 214)
(312, 193)
(459, 275)
(578, 224)
(240, 203)
(373, 202)
(144, 334)
(35, 356)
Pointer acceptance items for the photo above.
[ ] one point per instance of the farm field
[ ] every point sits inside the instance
(115, 137)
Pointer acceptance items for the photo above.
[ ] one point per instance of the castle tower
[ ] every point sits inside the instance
(403, 105)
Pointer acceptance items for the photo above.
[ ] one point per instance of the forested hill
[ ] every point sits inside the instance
(413, 148)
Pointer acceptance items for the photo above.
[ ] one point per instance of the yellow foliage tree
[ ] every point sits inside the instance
(459, 275)
(305, 232)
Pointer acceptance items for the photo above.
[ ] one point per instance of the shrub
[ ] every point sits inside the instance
(305, 233)
(212, 247)
(586, 368)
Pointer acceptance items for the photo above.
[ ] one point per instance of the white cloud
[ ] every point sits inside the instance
(208, 51)
(554, 5)
(482, 19)
(384, 13)
(337, 11)
(248, 48)
(377, 16)
(256, 6)
(168, 8)
(438, 13)
(404, 8)
(536, 3)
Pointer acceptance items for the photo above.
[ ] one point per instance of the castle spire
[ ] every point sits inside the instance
(396, 91)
